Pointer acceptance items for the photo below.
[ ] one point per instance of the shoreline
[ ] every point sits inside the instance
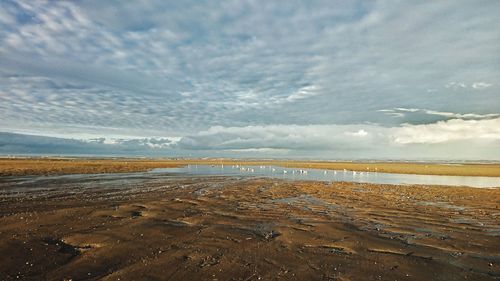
(62, 166)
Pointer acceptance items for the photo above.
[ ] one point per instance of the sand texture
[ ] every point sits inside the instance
(44, 166)
(217, 228)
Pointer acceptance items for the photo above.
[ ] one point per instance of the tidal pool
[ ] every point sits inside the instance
(277, 172)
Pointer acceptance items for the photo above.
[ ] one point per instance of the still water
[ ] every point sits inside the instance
(331, 175)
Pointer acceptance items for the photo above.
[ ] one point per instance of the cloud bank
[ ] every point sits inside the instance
(481, 137)
(448, 131)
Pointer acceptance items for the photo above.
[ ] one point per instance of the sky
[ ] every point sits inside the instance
(261, 79)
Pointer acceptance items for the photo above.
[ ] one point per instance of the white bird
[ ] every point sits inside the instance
(284, 172)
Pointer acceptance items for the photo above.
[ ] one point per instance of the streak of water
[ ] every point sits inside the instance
(333, 175)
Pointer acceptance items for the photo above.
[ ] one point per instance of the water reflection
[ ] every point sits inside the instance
(333, 175)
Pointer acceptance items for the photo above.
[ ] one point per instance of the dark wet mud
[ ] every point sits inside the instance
(230, 228)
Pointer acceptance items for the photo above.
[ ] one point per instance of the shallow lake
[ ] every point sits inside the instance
(277, 172)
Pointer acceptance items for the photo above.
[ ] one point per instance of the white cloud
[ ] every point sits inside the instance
(455, 85)
(263, 150)
(462, 85)
(406, 109)
(359, 133)
(481, 85)
(303, 93)
(462, 116)
(448, 131)
(402, 112)
(154, 143)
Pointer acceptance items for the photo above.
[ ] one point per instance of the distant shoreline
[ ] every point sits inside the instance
(78, 165)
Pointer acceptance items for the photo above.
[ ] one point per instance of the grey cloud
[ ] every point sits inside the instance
(95, 68)
(290, 137)
(31, 144)
(426, 116)
(250, 61)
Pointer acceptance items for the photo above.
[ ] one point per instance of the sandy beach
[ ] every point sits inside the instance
(53, 166)
(228, 228)
(249, 140)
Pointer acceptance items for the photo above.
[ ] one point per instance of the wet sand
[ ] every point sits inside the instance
(219, 228)
(60, 166)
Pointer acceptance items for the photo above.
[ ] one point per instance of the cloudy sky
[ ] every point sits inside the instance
(308, 79)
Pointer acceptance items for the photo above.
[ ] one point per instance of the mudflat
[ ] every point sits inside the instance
(228, 228)
(48, 166)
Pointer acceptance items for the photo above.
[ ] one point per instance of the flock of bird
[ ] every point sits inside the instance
(297, 171)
